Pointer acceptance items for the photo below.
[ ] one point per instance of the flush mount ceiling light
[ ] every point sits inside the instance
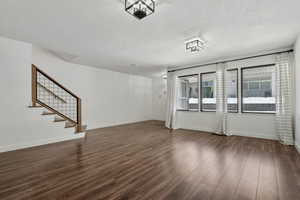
(140, 8)
(195, 44)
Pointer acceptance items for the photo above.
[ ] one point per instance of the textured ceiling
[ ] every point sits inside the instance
(100, 33)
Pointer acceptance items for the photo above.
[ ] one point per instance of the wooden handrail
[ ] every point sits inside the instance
(36, 101)
(53, 80)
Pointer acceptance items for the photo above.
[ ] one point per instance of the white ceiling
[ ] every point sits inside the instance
(101, 34)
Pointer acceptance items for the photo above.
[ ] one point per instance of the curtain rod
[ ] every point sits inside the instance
(232, 60)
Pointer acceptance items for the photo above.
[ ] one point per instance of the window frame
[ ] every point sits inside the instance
(242, 96)
(187, 110)
(237, 91)
(200, 87)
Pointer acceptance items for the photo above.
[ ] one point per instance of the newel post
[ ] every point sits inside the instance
(79, 117)
(33, 85)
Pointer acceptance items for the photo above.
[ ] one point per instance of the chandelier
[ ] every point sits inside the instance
(195, 44)
(140, 8)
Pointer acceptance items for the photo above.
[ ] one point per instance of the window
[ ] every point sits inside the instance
(231, 78)
(188, 93)
(258, 89)
(208, 96)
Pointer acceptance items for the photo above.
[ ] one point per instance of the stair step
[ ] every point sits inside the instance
(59, 119)
(70, 125)
(48, 113)
(37, 106)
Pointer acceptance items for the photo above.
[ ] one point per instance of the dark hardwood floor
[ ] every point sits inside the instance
(145, 161)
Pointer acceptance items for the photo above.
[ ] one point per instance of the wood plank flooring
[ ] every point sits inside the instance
(145, 161)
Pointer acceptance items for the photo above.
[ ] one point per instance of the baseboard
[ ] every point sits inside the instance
(156, 120)
(237, 133)
(61, 139)
(254, 135)
(39, 142)
(121, 124)
(204, 130)
(297, 146)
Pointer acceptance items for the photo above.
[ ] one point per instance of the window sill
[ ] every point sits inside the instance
(211, 111)
(233, 112)
(188, 110)
(254, 112)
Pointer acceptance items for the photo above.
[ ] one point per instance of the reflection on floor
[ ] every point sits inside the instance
(146, 161)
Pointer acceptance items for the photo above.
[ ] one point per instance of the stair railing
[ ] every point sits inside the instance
(50, 94)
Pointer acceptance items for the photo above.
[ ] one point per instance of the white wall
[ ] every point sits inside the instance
(297, 80)
(20, 126)
(244, 124)
(159, 98)
(108, 98)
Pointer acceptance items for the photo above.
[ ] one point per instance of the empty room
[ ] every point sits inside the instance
(150, 100)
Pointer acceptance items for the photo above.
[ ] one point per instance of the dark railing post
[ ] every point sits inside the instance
(79, 117)
(34, 85)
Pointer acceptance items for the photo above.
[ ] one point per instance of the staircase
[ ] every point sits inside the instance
(56, 100)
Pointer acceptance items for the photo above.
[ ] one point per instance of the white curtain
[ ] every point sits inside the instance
(221, 113)
(284, 98)
(171, 100)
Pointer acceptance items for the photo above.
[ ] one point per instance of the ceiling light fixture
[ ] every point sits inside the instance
(140, 8)
(195, 44)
